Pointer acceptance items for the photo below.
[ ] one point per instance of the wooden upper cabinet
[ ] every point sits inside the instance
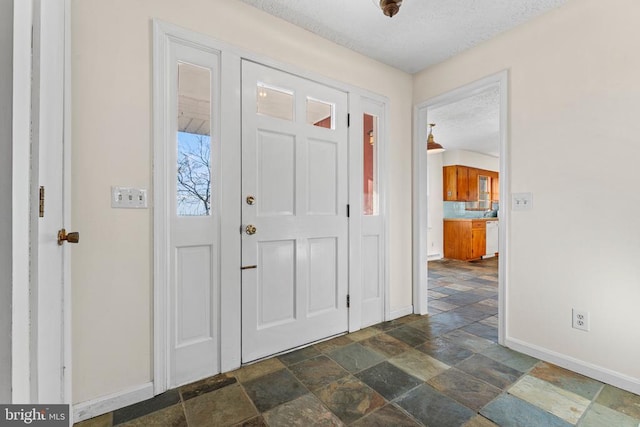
(461, 183)
(450, 183)
(495, 188)
(456, 183)
(472, 192)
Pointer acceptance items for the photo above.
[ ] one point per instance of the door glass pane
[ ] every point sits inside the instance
(274, 102)
(320, 113)
(369, 149)
(194, 141)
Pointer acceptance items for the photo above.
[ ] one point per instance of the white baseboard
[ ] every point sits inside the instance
(92, 408)
(434, 257)
(599, 373)
(404, 311)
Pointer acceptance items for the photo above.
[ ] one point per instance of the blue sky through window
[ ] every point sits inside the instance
(193, 174)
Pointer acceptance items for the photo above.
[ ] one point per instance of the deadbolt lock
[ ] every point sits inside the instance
(251, 200)
(250, 229)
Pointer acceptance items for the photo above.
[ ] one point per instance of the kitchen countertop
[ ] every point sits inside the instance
(494, 218)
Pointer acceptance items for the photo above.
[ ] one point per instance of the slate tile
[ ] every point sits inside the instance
(274, 389)
(567, 380)
(318, 372)
(350, 399)
(432, 408)
(388, 380)
(410, 335)
(385, 344)
(302, 412)
(508, 410)
(225, 406)
(620, 400)
(386, 416)
(489, 370)
(464, 388)
(356, 357)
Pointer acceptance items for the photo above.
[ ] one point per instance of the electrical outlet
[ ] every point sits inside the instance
(128, 198)
(580, 319)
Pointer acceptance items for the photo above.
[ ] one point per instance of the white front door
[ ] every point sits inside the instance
(294, 213)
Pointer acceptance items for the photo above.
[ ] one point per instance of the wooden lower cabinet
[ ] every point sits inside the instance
(465, 239)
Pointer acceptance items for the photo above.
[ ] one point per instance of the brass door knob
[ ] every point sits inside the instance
(73, 237)
(251, 200)
(250, 229)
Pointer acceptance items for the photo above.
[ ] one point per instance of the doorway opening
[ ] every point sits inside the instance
(460, 245)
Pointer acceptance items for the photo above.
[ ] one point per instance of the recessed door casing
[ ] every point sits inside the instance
(294, 168)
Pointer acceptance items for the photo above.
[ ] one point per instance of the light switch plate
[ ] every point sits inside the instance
(521, 201)
(128, 198)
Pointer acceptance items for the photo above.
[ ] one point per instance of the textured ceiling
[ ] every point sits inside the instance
(423, 33)
(470, 124)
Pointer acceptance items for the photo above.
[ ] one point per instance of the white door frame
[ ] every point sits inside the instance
(29, 385)
(420, 173)
(230, 340)
(21, 204)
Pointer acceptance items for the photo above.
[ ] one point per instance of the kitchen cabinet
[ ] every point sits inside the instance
(495, 188)
(464, 239)
(467, 184)
(456, 183)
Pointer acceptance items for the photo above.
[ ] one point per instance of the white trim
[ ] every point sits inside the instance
(420, 185)
(66, 200)
(230, 338)
(383, 205)
(355, 216)
(21, 145)
(111, 402)
(160, 221)
(419, 215)
(605, 375)
(401, 312)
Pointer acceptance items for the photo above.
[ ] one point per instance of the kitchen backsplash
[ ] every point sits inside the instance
(457, 210)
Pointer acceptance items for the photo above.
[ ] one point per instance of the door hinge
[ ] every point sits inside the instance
(348, 119)
(41, 204)
(348, 211)
(348, 301)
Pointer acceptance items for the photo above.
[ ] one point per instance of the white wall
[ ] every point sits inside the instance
(573, 141)
(6, 101)
(435, 228)
(111, 71)
(470, 158)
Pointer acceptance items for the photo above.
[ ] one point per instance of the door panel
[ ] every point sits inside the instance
(294, 165)
(323, 275)
(322, 197)
(276, 172)
(276, 283)
(194, 295)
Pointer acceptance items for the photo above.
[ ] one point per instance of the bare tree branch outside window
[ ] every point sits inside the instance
(194, 174)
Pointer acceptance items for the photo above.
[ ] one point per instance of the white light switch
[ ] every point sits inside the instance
(128, 198)
(521, 201)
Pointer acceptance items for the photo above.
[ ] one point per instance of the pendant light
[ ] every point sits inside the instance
(432, 145)
(390, 7)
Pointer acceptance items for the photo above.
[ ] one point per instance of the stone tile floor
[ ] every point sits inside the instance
(444, 369)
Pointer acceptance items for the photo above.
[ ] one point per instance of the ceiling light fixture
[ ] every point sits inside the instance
(390, 7)
(432, 145)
